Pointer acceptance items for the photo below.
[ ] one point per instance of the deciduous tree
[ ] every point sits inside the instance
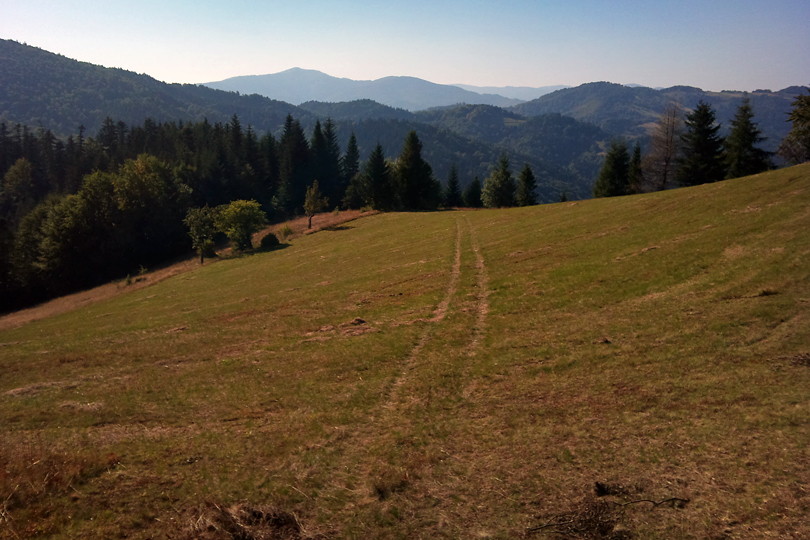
(202, 228)
(660, 162)
(314, 202)
(239, 220)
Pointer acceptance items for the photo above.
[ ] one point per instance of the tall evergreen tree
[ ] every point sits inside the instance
(350, 162)
(612, 180)
(526, 186)
(702, 148)
(742, 155)
(333, 173)
(377, 178)
(635, 175)
(452, 195)
(268, 157)
(499, 186)
(417, 188)
(796, 146)
(294, 167)
(472, 194)
(326, 161)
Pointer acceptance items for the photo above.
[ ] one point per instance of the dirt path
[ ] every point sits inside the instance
(439, 314)
(481, 295)
(70, 302)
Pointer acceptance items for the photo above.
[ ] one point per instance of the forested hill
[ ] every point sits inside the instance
(43, 89)
(628, 111)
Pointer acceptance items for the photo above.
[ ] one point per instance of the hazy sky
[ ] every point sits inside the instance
(712, 44)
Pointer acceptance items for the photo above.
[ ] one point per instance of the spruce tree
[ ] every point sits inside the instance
(380, 193)
(742, 156)
(796, 146)
(472, 194)
(613, 177)
(526, 186)
(349, 163)
(326, 161)
(417, 188)
(452, 195)
(499, 186)
(635, 175)
(702, 149)
(294, 167)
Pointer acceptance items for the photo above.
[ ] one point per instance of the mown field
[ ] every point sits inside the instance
(617, 368)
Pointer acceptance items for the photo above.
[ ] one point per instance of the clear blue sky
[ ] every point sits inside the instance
(712, 44)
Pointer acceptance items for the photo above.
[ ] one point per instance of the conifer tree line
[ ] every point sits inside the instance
(81, 211)
(685, 152)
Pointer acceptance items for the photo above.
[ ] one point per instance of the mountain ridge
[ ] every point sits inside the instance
(298, 85)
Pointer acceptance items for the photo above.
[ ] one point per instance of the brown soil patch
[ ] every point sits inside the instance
(244, 522)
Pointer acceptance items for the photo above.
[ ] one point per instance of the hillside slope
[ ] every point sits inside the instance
(632, 366)
(43, 89)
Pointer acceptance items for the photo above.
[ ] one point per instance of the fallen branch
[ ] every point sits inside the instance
(673, 500)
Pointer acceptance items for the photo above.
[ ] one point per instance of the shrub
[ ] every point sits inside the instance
(284, 233)
(269, 241)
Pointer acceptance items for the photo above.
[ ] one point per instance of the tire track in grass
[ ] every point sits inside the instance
(439, 314)
(482, 293)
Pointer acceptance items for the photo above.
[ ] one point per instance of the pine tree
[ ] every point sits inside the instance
(452, 195)
(294, 167)
(635, 175)
(499, 186)
(326, 161)
(742, 156)
(349, 165)
(417, 188)
(380, 193)
(526, 187)
(472, 194)
(612, 180)
(702, 151)
(796, 146)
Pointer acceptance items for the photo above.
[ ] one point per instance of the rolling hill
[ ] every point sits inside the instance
(43, 89)
(614, 368)
(630, 111)
(298, 85)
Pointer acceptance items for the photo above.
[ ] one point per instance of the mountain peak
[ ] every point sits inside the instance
(298, 85)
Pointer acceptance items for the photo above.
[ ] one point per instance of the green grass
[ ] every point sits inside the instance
(505, 362)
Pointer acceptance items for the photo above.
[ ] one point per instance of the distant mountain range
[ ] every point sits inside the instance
(298, 85)
(561, 134)
(630, 111)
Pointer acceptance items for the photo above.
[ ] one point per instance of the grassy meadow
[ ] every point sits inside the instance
(636, 367)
